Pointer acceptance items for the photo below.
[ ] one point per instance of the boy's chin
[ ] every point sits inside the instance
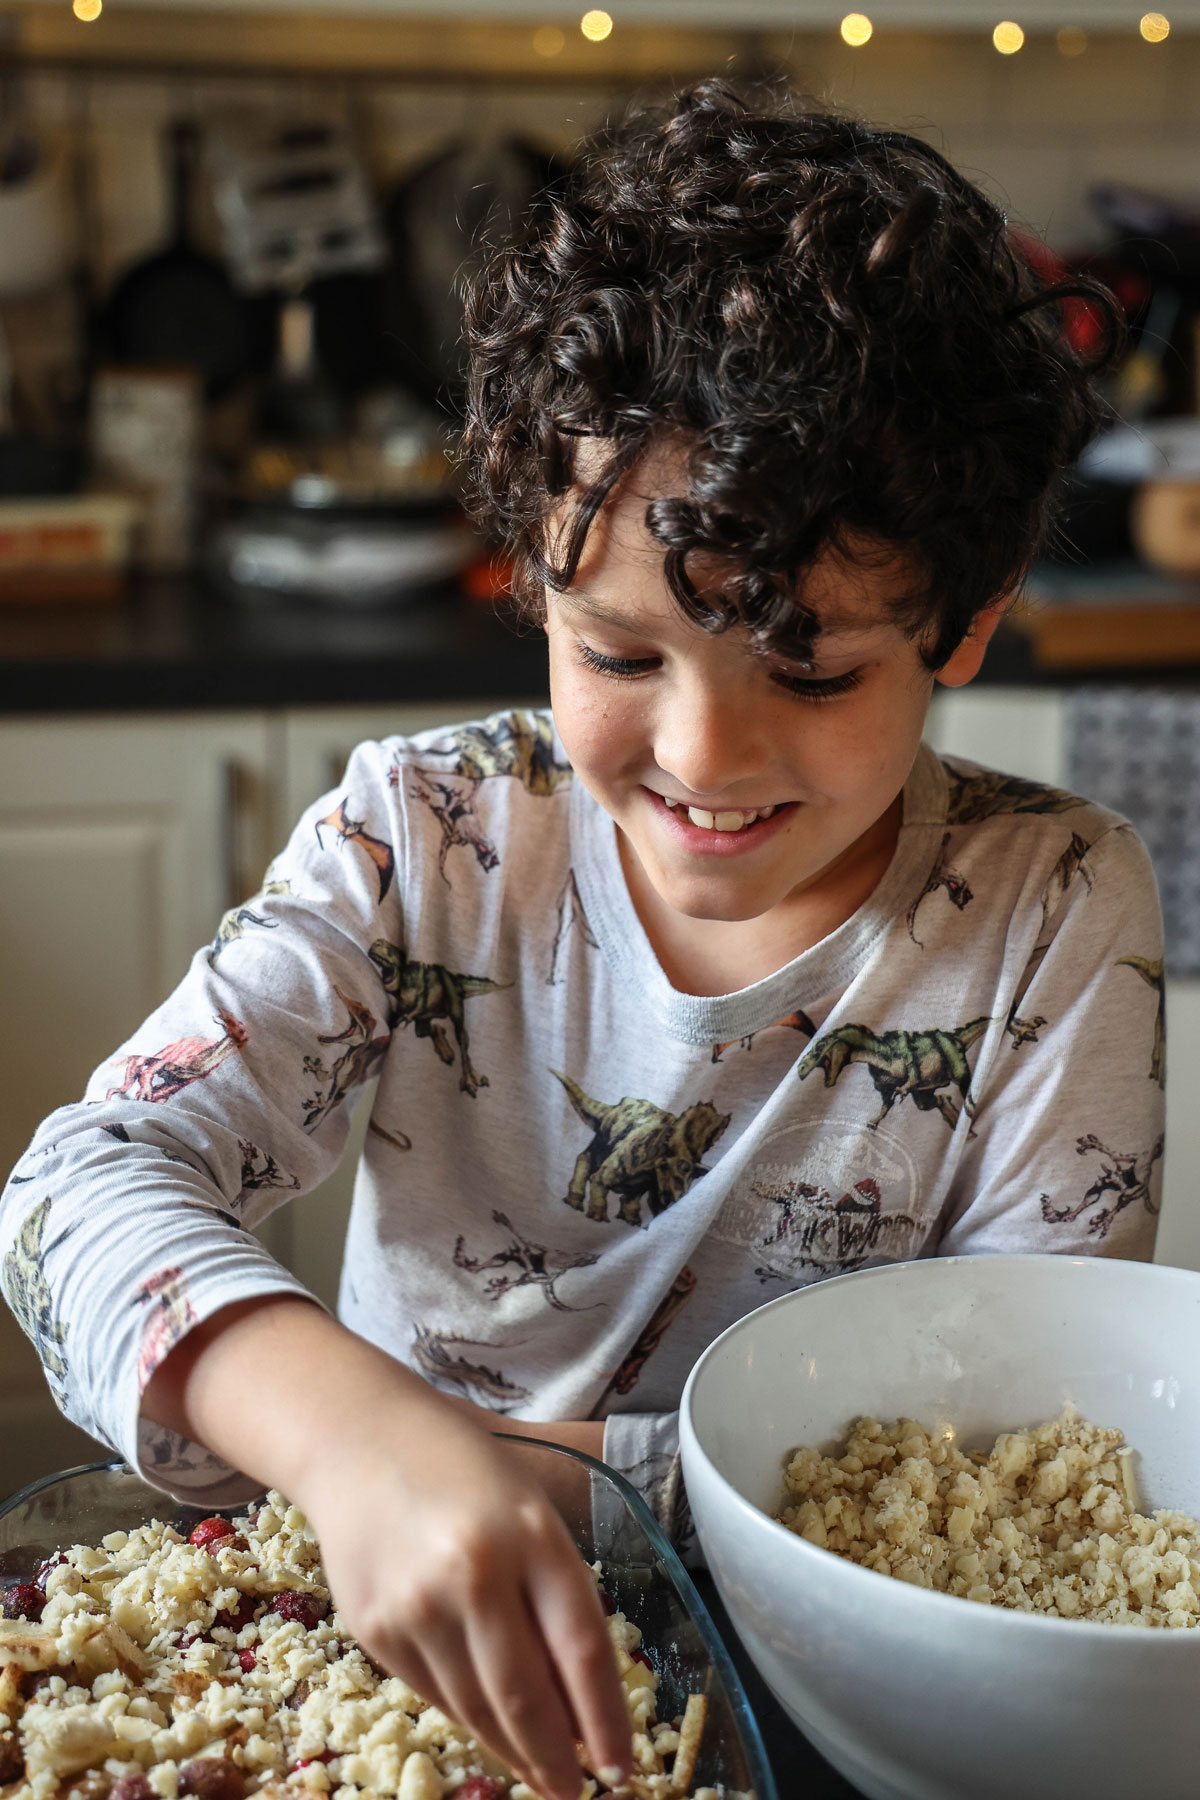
(713, 902)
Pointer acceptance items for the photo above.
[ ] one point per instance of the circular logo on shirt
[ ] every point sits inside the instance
(821, 1200)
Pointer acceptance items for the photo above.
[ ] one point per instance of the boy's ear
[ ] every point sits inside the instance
(966, 661)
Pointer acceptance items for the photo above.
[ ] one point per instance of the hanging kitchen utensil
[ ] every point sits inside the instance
(292, 197)
(179, 306)
(439, 221)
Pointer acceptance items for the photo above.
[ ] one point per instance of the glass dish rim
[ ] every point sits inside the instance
(748, 1727)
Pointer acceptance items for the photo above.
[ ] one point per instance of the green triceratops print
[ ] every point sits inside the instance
(423, 994)
(28, 1293)
(639, 1152)
(520, 744)
(981, 793)
(902, 1063)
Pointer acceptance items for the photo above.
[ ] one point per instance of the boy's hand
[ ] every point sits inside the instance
(455, 1572)
(452, 1567)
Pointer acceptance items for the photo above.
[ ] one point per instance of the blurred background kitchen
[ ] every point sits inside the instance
(230, 544)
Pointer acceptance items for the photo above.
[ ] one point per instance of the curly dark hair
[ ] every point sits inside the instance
(832, 321)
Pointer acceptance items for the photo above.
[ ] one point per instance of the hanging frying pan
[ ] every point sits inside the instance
(179, 306)
(439, 221)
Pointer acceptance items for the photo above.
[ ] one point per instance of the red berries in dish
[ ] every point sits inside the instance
(22, 1600)
(131, 1787)
(306, 1609)
(209, 1532)
(481, 1787)
(212, 1778)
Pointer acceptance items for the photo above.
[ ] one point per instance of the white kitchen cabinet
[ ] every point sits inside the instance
(121, 843)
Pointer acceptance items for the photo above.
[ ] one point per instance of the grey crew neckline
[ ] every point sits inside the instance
(825, 968)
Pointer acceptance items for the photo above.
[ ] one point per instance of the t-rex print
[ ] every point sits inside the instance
(520, 744)
(902, 1063)
(168, 1071)
(793, 1021)
(260, 1170)
(358, 1062)
(828, 1234)
(432, 1355)
(1151, 971)
(571, 917)
(1125, 1174)
(236, 922)
(452, 804)
(423, 994)
(23, 1279)
(651, 1336)
(940, 876)
(982, 793)
(350, 831)
(535, 1263)
(169, 1322)
(639, 1152)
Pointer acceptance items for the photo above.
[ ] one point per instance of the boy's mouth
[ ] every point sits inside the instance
(724, 831)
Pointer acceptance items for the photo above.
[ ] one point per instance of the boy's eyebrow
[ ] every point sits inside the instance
(828, 624)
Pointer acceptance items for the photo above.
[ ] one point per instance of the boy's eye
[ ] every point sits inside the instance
(622, 668)
(808, 687)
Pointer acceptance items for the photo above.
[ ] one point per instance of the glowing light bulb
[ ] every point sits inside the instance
(548, 40)
(1008, 37)
(1071, 40)
(1155, 27)
(87, 10)
(856, 29)
(595, 25)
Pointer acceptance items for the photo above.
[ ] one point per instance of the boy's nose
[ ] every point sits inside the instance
(709, 743)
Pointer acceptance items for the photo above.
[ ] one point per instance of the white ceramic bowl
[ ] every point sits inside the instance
(915, 1695)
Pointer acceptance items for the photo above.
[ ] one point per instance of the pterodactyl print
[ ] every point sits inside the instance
(169, 1321)
(357, 1063)
(168, 1071)
(534, 1264)
(940, 876)
(350, 831)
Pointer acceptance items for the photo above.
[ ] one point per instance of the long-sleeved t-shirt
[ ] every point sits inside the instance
(575, 1175)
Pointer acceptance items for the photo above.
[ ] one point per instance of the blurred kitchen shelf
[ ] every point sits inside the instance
(1109, 618)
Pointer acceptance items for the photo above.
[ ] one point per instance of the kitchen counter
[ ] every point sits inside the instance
(179, 644)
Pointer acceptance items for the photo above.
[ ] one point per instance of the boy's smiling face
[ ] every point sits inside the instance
(659, 716)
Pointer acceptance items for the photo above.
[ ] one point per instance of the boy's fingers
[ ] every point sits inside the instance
(518, 1681)
(568, 1611)
(466, 1703)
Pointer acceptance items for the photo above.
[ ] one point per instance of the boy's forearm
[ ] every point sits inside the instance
(269, 1383)
(272, 1383)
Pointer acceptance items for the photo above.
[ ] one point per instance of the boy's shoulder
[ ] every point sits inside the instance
(978, 795)
(519, 745)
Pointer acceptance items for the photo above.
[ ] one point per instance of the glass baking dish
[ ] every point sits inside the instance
(608, 1520)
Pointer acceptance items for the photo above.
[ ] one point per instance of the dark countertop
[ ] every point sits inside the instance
(178, 643)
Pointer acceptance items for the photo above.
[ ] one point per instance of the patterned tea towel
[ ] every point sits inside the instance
(1138, 751)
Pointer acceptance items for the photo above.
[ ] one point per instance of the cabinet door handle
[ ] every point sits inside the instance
(239, 850)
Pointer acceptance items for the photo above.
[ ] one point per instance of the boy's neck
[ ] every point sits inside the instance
(716, 956)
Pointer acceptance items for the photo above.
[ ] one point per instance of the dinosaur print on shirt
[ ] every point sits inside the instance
(638, 1152)
(901, 1063)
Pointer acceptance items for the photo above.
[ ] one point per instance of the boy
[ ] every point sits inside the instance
(731, 985)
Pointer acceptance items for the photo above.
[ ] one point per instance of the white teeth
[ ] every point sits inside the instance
(733, 821)
(764, 812)
(699, 817)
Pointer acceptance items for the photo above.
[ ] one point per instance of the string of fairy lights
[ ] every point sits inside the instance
(856, 30)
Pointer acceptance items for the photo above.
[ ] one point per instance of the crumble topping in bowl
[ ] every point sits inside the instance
(1046, 1521)
(154, 1666)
